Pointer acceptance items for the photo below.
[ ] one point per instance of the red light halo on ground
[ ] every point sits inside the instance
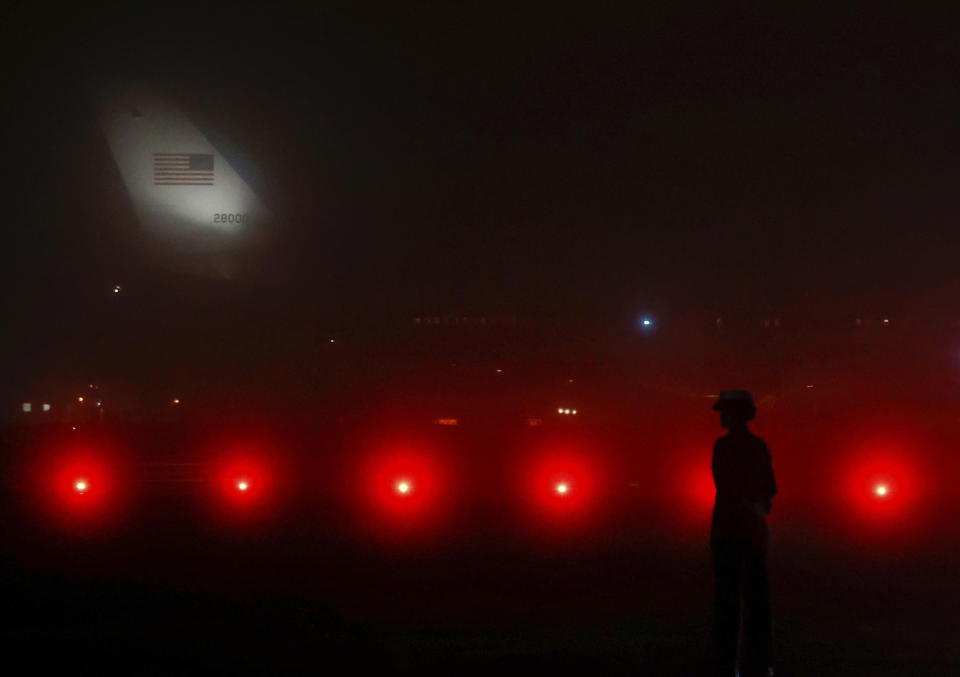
(874, 460)
(888, 470)
(257, 475)
(374, 474)
(409, 466)
(97, 475)
(694, 483)
(678, 486)
(252, 459)
(572, 464)
(53, 476)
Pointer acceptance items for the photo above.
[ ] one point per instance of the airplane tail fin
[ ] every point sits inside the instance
(197, 212)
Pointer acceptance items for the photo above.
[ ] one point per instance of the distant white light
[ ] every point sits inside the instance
(243, 485)
(562, 488)
(559, 411)
(574, 412)
(46, 407)
(403, 487)
(881, 490)
(333, 340)
(99, 403)
(80, 486)
(27, 407)
(566, 411)
(80, 399)
(645, 323)
(176, 401)
(116, 289)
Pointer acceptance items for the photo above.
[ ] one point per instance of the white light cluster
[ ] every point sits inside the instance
(567, 412)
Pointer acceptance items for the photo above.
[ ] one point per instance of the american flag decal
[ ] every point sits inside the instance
(182, 169)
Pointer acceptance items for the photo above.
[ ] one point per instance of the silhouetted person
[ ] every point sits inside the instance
(743, 476)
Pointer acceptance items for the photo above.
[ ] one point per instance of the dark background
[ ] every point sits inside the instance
(521, 158)
(562, 171)
(580, 165)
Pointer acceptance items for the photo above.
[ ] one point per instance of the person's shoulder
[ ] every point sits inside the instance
(743, 438)
(729, 443)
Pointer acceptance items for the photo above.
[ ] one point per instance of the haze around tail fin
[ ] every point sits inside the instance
(197, 213)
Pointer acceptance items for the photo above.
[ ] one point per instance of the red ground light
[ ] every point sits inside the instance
(406, 484)
(561, 484)
(80, 486)
(84, 484)
(244, 484)
(250, 480)
(880, 485)
(398, 483)
(883, 485)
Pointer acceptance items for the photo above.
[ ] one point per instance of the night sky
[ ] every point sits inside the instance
(490, 160)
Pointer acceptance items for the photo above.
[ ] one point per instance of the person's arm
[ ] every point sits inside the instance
(767, 505)
(770, 481)
(714, 465)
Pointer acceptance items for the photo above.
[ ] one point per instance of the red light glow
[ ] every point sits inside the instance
(560, 482)
(681, 492)
(698, 486)
(83, 486)
(80, 485)
(884, 481)
(404, 489)
(881, 478)
(245, 480)
(249, 479)
(689, 487)
(404, 484)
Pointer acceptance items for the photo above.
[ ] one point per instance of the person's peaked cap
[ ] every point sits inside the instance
(734, 398)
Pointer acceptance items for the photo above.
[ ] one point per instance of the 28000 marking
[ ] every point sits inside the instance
(230, 218)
